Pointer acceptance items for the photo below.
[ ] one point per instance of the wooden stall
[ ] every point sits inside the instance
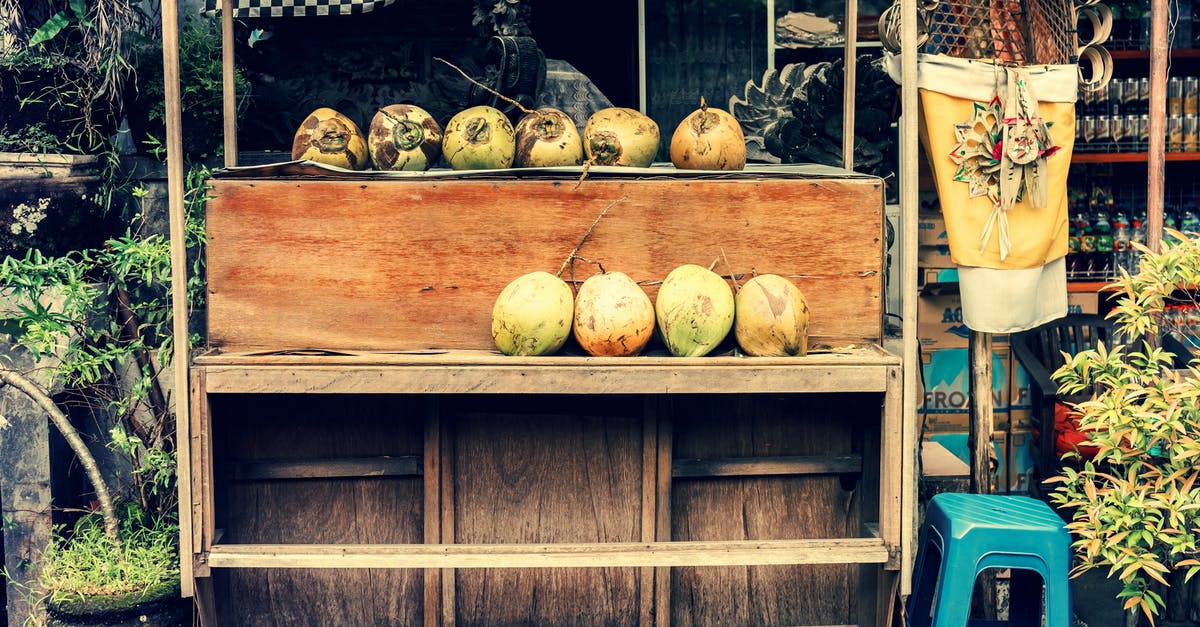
(360, 454)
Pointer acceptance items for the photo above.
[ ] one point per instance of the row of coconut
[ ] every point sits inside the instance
(612, 316)
(406, 137)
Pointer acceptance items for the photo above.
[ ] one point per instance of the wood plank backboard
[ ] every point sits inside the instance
(414, 263)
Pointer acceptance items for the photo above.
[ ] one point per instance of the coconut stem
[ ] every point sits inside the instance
(583, 175)
(732, 274)
(495, 93)
(703, 105)
(574, 253)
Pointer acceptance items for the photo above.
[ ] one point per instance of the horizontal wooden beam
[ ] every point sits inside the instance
(762, 466)
(583, 555)
(332, 468)
(546, 379)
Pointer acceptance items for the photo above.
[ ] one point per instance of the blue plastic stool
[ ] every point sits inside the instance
(964, 534)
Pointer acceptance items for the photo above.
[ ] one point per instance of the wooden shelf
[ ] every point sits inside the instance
(858, 369)
(1129, 157)
(558, 555)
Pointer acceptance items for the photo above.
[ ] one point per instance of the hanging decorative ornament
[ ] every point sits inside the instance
(1001, 153)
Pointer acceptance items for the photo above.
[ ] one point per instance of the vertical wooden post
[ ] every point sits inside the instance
(908, 276)
(228, 87)
(1156, 159)
(979, 355)
(179, 309)
(849, 85)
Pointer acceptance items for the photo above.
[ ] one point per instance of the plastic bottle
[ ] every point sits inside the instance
(1120, 242)
(1104, 245)
(1138, 236)
(1087, 245)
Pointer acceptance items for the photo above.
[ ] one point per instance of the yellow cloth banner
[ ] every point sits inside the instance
(1039, 236)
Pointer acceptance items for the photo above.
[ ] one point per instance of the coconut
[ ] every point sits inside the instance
(708, 139)
(329, 137)
(404, 137)
(613, 316)
(772, 317)
(479, 138)
(547, 138)
(620, 136)
(694, 310)
(532, 315)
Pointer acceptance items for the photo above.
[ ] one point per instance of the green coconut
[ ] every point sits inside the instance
(329, 137)
(694, 309)
(479, 138)
(772, 317)
(620, 136)
(532, 315)
(404, 137)
(547, 138)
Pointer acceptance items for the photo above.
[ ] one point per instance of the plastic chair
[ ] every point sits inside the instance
(965, 534)
(1039, 351)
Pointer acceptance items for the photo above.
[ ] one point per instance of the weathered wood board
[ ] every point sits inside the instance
(524, 476)
(773, 507)
(365, 510)
(417, 263)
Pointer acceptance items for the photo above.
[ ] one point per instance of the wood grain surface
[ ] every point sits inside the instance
(365, 510)
(410, 264)
(566, 473)
(803, 506)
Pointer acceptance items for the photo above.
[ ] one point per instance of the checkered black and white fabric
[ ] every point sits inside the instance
(297, 8)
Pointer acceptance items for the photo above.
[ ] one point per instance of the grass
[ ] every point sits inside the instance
(86, 563)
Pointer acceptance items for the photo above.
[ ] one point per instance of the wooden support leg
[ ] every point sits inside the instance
(979, 354)
(649, 505)
(665, 454)
(432, 476)
(206, 605)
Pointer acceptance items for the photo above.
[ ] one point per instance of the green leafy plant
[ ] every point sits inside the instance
(1135, 506)
(65, 64)
(103, 318)
(200, 91)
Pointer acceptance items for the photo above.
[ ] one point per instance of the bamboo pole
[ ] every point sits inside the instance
(228, 87)
(908, 281)
(175, 191)
(1156, 159)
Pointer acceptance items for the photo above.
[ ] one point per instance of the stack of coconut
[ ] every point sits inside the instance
(612, 316)
(406, 137)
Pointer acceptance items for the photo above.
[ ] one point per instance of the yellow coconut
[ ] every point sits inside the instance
(620, 136)
(613, 316)
(547, 138)
(479, 138)
(708, 139)
(404, 137)
(694, 309)
(771, 318)
(532, 315)
(329, 137)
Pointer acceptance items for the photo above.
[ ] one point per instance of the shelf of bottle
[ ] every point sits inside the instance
(1086, 286)
(1178, 53)
(1129, 157)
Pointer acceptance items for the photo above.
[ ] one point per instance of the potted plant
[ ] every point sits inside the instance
(1135, 508)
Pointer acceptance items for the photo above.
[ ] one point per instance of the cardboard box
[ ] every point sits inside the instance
(1011, 451)
(939, 322)
(931, 230)
(935, 257)
(944, 404)
(1083, 303)
(933, 276)
(1020, 400)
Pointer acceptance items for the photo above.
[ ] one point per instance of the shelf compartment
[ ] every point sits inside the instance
(1129, 157)
(556, 555)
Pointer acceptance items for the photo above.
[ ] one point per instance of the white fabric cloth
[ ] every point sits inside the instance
(977, 79)
(1008, 301)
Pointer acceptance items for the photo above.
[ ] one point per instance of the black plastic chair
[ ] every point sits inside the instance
(1039, 351)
